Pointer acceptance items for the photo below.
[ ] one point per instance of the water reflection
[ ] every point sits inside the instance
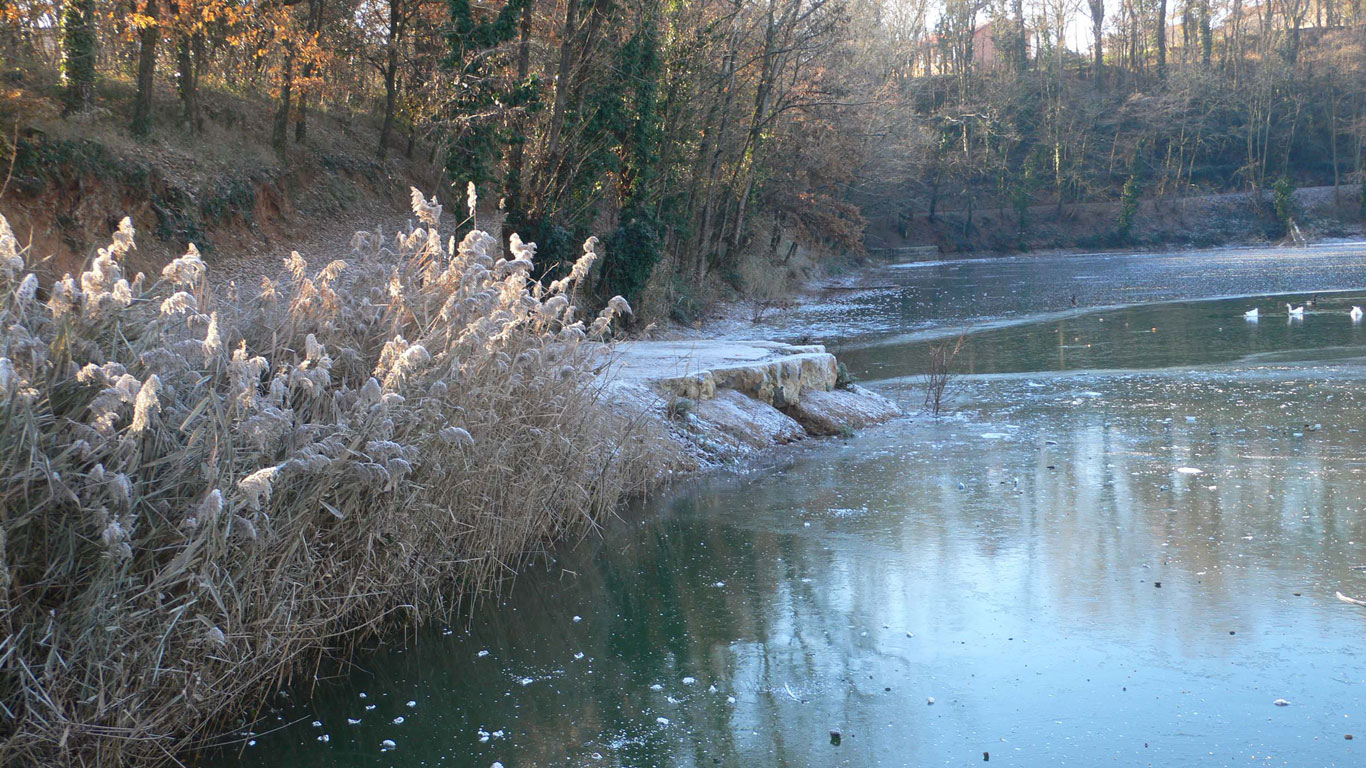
(1121, 548)
(1005, 562)
(974, 292)
(1145, 336)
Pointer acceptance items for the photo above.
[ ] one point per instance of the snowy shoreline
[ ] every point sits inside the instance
(719, 401)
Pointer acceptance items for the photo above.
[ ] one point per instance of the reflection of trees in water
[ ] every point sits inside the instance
(1060, 552)
(1105, 508)
(1136, 337)
(1068, 547)
(970, 292)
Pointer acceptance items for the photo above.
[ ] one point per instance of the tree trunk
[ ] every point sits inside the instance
(517, 153)
(1098, 37)
(1059, 180)
(390, 77)
(315, 20)
(934, 197)
(1021, 41)
(281, 132)
(78, 55)
(148, 37)
(704, 151)
(1162, 39)
(301, 123)
(189, 57)
(1295, 23)
(568, 33)
(1188, 32)
(772, 59)
(1333, 142)
(714, 168)
(1235, 54)
(1206, 34)
(390, 101)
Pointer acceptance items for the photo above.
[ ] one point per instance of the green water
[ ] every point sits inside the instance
(1120, 548)
(1139, 337)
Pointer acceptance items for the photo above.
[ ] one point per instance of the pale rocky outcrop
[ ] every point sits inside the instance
(731, 424)
(840, 410)
(768, 371)
(721, 400)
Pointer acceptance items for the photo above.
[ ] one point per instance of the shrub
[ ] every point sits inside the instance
(940, 373)
(843, 378)
(679, 408)
(202, 491)
(1128, 206)
(558, 249)
(685, 304)
(763, 281)
(1283, 198)
(632, 253)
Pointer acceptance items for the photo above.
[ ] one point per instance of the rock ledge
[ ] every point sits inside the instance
(722, 400)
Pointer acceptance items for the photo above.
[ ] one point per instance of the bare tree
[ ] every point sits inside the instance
(1098, 41)
(940, 373)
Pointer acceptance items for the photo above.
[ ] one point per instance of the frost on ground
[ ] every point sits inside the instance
(723, 400)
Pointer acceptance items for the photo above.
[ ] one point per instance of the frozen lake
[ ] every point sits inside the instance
(1121, 546)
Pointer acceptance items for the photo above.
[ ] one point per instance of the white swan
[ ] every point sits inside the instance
(1295, 311)
(1251, 314)
(1356, 314)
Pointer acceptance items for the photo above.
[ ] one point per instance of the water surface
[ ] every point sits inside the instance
(972, 293)
(1120, 547)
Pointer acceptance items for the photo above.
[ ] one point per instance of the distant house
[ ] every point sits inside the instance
(984, 48)
(936, 56)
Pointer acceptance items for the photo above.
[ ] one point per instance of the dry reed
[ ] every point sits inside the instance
(940, 373)
(202, 491)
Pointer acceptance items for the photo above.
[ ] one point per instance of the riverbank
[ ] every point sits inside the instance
(972, 559)
(1169, 222)
(207, 492)
(719, 401)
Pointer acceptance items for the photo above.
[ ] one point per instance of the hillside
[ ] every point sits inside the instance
(223, 189)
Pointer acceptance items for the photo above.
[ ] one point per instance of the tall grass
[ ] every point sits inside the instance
(201, 490)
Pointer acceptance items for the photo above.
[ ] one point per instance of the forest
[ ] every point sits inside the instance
(714, 138)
